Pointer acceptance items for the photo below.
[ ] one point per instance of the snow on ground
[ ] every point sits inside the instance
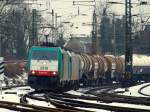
(80, 92)
(74, 92)
(83, 90)
(95, 110)
(40, 103)
(14, 94)
(6, 110)
(117, 104)
(133, 91)
(146, 90)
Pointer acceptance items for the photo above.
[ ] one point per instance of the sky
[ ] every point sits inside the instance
(79, 16)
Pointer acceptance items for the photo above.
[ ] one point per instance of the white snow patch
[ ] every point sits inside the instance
(40, 103)
(14, 97)
(6, 110)
(146, 90)
(83, 90)
(79, 93)
(133, 91)
(116, 104)
(74, 93)
(95, 110)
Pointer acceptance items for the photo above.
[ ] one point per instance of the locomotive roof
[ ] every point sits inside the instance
(46, 48)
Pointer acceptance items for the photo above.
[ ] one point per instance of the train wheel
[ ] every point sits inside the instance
(76, 85)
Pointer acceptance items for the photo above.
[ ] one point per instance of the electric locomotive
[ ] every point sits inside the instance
(44, 67)
(52, 67)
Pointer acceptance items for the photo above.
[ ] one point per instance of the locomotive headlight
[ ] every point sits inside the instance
(33, 72)
(54, 73)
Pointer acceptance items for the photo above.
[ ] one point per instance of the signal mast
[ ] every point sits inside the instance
(128, 41)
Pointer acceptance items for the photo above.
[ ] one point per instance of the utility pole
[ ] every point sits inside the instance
(0, 38)
(94, 34)
(128, 41)
(114, 34)
(52, 25)
(0, 45)
(56, 32)
(34, 28)
(78, 11)
(95, 41)
(55, 20)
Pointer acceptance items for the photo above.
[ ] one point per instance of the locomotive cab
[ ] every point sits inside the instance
(44, 67)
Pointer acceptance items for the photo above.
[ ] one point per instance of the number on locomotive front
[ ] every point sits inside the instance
(44, 63)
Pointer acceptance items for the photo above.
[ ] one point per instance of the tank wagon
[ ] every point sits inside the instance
(141, 67)
(52, 67)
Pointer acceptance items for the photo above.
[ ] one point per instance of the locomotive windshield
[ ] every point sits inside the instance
(44, 55)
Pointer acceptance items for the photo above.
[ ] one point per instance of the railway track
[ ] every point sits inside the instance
(103, 89)
(59, 108)
(10, 87)
(143, 87)
(20, 106)
(55, 99)
(68, 102)
(108, 96)
(26, 107)
(72, 102)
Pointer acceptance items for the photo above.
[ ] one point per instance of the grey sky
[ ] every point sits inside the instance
(69, 12)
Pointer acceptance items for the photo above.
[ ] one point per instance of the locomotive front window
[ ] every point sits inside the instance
(44, 55)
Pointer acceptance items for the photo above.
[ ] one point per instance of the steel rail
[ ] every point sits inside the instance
(75, 103)
(143, 87)
(69, 103)
(24, 107)
(59, 108)
(107, 97)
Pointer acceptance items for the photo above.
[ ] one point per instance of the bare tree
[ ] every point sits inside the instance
(15, 21)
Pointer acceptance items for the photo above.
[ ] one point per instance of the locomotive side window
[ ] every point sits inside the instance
(44, 55)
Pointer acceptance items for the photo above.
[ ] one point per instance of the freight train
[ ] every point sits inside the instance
(52, 67)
